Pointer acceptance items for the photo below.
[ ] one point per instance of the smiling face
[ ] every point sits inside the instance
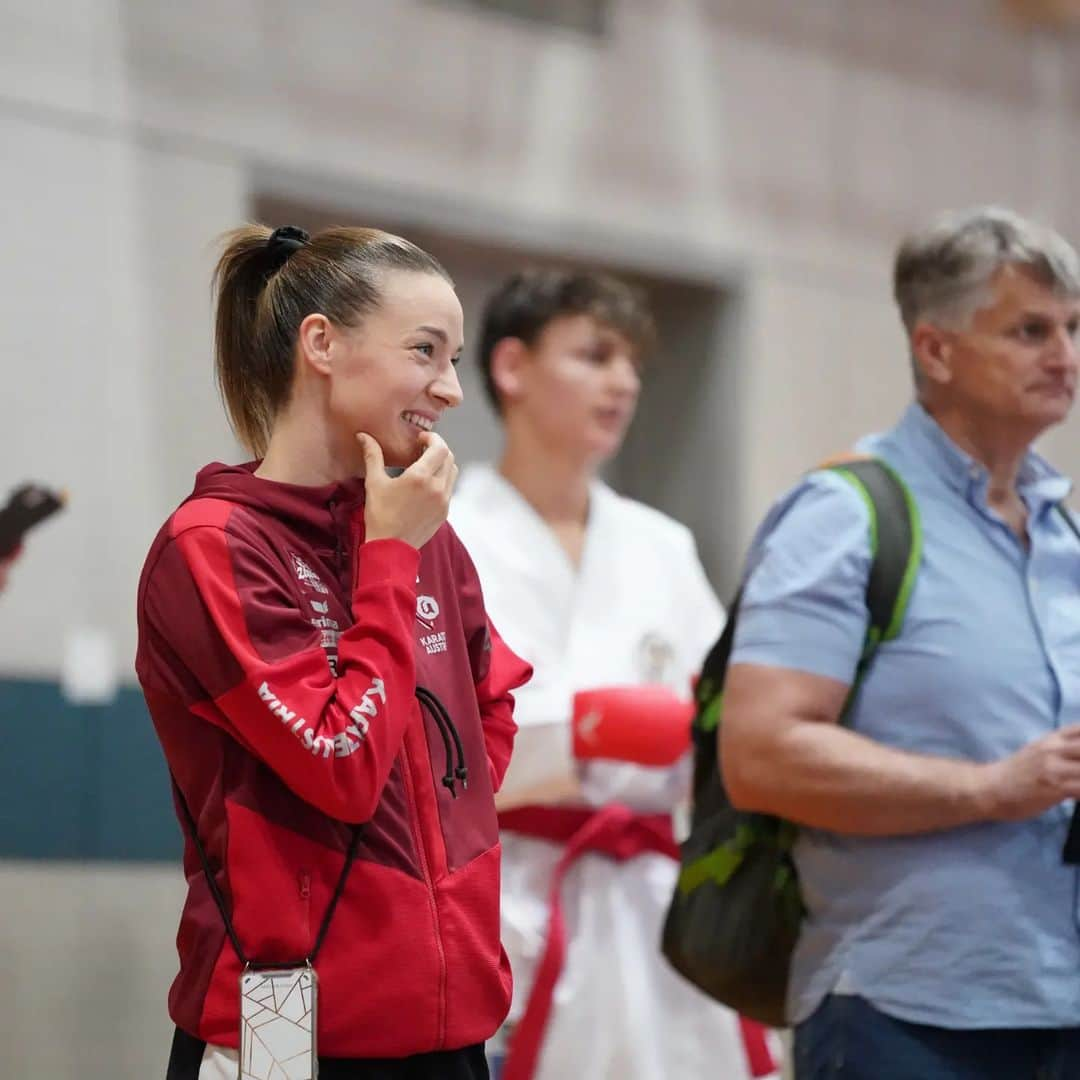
(1014, 367)
(576, 387)
(394, 374)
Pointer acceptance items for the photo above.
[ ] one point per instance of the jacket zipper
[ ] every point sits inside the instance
(426, 869)
(303, 881)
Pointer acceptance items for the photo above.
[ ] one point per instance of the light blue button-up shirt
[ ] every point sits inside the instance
(975, 927)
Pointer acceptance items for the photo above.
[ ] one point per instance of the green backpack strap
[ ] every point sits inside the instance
(895, 545)
(896, 551)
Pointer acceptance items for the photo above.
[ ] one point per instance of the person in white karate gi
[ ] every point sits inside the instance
(607, 599)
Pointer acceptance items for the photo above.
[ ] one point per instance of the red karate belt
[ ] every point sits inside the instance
(616, 831)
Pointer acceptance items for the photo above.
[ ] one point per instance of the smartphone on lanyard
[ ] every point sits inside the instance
(278, 1014)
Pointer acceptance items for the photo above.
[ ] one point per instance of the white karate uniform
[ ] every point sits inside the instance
(639, 609)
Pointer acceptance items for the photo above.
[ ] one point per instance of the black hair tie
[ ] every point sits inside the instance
(282, 242)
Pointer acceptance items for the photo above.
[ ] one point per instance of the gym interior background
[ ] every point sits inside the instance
(752, 163)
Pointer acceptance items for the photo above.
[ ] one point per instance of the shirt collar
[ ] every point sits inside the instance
(1038, 481)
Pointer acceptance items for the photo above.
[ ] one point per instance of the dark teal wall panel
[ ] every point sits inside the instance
(81, 782)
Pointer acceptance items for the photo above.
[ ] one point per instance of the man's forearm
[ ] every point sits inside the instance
(822, 775)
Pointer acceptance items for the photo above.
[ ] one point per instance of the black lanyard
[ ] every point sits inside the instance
(309, 960)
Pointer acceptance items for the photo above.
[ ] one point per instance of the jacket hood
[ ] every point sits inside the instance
(313, 511)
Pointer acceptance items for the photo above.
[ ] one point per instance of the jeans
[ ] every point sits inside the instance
(846, 1038)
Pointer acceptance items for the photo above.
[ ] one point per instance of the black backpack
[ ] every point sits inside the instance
(735, 915)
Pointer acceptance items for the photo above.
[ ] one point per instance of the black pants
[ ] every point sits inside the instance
(465, 1064)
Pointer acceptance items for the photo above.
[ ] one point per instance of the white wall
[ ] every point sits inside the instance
(783, 147)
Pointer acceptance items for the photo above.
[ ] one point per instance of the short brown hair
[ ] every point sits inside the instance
(527, 301)
(266, 283)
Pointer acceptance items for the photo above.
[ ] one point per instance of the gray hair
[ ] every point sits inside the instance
(943, 273)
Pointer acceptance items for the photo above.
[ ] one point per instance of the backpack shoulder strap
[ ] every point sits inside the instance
(895, 542)
(709, 691)
(896, 547)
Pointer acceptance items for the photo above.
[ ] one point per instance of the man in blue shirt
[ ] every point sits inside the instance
(942, 938)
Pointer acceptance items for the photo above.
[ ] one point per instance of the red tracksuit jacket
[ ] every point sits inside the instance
(280, 657)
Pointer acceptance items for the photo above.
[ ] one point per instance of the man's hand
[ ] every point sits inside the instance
(1036, 777)
(412, 506)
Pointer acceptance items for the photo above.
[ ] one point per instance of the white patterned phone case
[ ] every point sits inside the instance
(277, 1024)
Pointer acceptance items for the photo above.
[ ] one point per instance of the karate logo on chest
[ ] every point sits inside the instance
(427, 613)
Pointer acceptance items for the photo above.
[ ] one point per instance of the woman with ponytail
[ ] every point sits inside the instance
(333, 703)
